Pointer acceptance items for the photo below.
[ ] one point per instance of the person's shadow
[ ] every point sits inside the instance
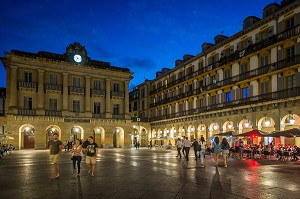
(216, 183)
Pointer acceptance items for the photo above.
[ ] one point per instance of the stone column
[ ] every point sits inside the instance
(41, 96)
(107, 99)
(65, 93)
(88, 94)
(126, 100)
(13, 106)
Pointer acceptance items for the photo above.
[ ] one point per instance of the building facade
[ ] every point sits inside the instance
(250, 80)
(66, 93)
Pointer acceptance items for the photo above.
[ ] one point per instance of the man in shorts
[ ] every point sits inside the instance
(92, 148)
(55, 151)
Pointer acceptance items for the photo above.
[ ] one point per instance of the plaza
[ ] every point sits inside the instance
(145, 173)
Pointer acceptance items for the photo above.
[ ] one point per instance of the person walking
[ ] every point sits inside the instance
(225, 150)
(195, 145)
(179, 146)
(187, 146)
(77, 157)
(217, 150)
(202, 144)
(183, 150)
(90, 159)
(55, 149)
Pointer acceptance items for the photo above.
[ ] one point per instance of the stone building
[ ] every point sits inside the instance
(66, 93)
(250, 80)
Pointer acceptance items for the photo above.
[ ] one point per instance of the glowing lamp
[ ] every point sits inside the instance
(292, 121)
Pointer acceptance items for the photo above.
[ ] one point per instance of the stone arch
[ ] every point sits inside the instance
(76, 132)
(286, 123)
(228, 126)
(99, 136)
(118, 137)
(191, 132)
(26, 136)
(50, 130)
(202, 130)
(264, 126)
(245, 125)
(214, 128)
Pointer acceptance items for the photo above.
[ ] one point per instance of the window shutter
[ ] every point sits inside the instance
(222, 98)
(280, 83)
(217, 77)
(250, 89)
(256, 37)
(233, 95)
(280, 55)
(237, 93)
(217, 57)
(280, 26)
(297, 77)
(297, 19)
(297, 49)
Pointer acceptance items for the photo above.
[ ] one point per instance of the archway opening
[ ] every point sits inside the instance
(28, 137)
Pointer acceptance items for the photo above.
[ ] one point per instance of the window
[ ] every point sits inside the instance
(290, 82)
(264, 87)
(228, 96)
(200, 64)
(97, 85)
(53, 104)
(116, 109)
(143, 93)
(76, 82)
(76, 106)
(143, 105)
(264, 60)
(214, 100)
(289, 24)
(116, 87)
(290, 52)
(244, 70)
(27, 103)
(227, 74)
(28, 76)
(245, 93)
(53, 79)
(97, 107)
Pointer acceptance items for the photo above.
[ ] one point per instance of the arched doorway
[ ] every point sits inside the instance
(144, 141)
(76, 133)
(27, 137)
(118, 137)
(99, 136)
(50, 130)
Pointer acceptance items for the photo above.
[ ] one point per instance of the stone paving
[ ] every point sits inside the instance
(144, 173)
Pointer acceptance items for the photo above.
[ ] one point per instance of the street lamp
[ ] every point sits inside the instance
(292, 120)
(267, 122)
(202, 128)
(247, 124)
(215, 127)
(229, 125)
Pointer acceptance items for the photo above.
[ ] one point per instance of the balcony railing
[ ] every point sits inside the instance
(119, 117)
(26, 112)
(234, 56)
(244, 76)
(53, 113)
(98, 92)
(282, 94)
(30, 85)
(73, 89)
(117, 94)
(99, 115)
(52, 87)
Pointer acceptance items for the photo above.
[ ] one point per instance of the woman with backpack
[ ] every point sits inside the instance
(217, 150)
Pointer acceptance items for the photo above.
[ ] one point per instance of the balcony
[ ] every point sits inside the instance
(29, 86)
(244, 76)
(26, 112)
(273, 96)
(53, 113)
(118, 117)
(97, 93)
(234, 56)
(99, 115)
(117, 94)
(76, 90)
(53, 88)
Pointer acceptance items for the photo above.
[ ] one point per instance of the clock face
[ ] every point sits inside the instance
(77, 58)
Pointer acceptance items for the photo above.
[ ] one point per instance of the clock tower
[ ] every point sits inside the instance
(77, 54)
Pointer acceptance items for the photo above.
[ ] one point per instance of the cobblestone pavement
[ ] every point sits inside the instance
(144, 173)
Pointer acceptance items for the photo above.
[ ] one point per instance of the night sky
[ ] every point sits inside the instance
(143, 35)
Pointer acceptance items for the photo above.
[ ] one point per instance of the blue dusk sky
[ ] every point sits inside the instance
(143, 35)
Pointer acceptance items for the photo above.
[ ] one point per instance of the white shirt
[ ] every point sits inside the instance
(186, 143)
(179, 144)
(202, 145)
